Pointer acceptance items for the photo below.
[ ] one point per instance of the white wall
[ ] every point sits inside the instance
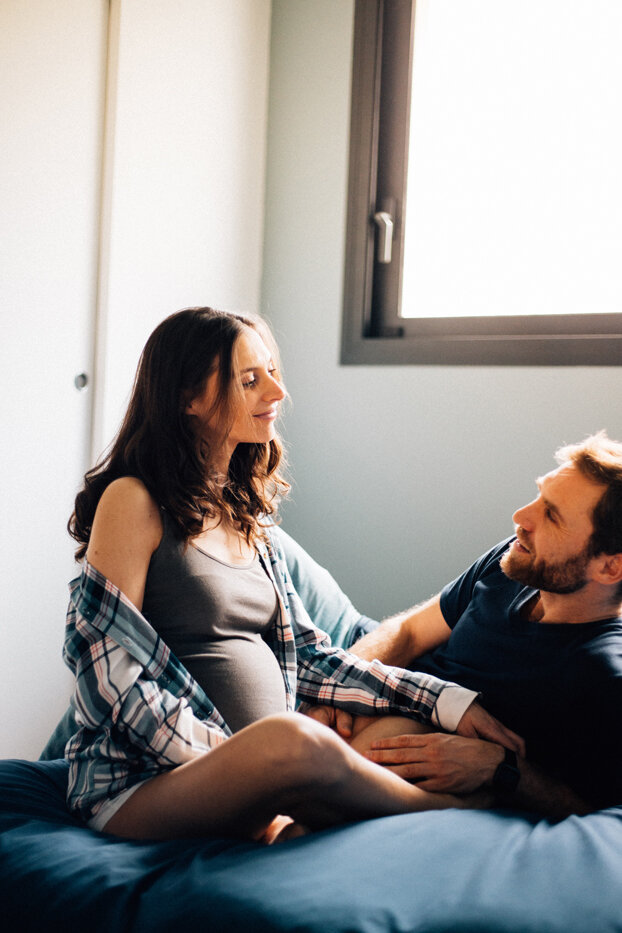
(402, 474)
(52, 64)
(186, 169)
(183, 200)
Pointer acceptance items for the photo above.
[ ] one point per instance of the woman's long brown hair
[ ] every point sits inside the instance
(157, 444)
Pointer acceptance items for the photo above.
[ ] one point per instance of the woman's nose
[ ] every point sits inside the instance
(275, 391)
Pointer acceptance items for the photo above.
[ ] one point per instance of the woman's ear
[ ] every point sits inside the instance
(193, 402)
(199, 400)
(190, 406)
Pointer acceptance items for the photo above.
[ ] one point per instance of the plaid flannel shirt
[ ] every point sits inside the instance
(140, 712)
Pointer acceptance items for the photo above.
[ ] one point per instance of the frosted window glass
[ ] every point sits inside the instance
(514, 194)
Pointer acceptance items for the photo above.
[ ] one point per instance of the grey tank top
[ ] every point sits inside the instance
(213, 615)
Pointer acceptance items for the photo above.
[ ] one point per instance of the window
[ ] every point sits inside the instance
(485, 196)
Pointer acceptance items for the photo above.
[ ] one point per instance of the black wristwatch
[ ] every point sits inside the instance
(507, 775)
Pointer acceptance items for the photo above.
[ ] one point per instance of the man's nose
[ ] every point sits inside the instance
(523, 516)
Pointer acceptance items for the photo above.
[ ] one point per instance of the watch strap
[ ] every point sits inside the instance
(507, 775)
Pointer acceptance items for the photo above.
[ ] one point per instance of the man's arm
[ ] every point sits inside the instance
(449, 763)
(544, 794)
(408, 635)
(397, 642)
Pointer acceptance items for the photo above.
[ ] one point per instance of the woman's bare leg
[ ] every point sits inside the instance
(282, 764)
(365, 729)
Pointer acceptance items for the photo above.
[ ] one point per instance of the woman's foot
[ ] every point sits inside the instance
(282, 829)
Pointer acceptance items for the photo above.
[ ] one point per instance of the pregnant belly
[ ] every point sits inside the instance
(242, 678)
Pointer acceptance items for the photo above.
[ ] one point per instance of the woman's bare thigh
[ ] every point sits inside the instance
(368, 728)
(234, 789)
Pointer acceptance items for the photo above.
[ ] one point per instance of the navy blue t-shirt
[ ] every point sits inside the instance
(559, 686)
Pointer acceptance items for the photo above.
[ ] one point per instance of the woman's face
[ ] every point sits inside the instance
(256, 402)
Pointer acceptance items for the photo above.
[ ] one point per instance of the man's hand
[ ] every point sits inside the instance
(445, 763)
(439, 762)
(476, 723)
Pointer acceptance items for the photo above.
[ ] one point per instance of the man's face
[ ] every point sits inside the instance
(553, 532)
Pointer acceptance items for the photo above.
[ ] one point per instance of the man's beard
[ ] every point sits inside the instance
(565, 577)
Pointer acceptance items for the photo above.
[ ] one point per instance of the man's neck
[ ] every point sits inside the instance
(589, 604)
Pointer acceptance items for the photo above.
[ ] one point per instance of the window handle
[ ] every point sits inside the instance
(384, 222)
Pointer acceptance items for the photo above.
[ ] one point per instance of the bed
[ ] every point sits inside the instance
(452, 871)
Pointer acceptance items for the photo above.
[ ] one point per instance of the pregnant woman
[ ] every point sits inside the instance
(189, 646)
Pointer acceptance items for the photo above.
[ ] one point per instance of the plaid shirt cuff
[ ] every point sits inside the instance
(451, 706)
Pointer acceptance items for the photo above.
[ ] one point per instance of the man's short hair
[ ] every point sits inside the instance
(600, 460)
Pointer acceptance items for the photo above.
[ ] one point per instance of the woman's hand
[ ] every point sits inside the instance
(476, 723)
(336, 719)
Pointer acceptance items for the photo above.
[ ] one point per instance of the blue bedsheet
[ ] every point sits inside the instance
(444, 872)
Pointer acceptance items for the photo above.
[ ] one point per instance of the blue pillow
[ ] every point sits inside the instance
(327, 604)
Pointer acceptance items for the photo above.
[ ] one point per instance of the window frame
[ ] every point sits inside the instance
(372, 331)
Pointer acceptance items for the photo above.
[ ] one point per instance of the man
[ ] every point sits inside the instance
(535, 626)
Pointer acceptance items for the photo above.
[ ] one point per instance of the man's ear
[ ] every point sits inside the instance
(608, 569)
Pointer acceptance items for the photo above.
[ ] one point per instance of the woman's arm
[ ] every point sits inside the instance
(127, 529)
(136, 706)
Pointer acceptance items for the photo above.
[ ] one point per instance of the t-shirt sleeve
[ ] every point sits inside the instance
(456, 596)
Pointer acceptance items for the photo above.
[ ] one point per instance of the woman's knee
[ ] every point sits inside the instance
(304, 751)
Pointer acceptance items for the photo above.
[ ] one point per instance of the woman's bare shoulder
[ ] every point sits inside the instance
(128, 509)
(129, 493)
(127, 529)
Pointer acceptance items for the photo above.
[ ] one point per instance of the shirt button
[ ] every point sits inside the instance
(127, 642)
